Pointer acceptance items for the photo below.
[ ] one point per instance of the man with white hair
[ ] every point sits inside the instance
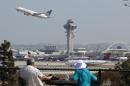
(82, 75)
(32, 75)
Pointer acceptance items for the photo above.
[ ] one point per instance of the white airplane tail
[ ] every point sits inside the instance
(48, 13)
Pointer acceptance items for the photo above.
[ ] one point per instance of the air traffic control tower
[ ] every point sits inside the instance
(70, 26)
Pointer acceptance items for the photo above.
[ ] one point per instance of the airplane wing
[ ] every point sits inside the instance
(36, 14)
(45, 13)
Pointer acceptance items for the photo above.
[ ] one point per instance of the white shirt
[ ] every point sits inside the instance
(30, 74)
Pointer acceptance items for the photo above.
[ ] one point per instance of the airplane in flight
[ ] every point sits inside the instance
(28, 12)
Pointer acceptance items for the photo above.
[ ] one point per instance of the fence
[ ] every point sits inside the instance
(106, 77)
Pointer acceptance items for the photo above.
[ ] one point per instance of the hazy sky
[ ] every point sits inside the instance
(97, 21)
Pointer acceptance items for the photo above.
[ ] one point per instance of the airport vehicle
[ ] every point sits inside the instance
(28, 12)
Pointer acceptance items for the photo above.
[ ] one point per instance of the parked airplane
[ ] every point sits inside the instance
(120, 58)
(77, 58)
(89, 62)
(33, 13)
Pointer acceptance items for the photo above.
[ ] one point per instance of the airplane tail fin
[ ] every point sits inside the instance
(48, 13)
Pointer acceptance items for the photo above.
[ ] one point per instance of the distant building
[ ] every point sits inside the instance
(50, 49)
(80, 52)
(116, 50)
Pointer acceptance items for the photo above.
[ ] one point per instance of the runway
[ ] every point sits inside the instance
(42, 64)
(49, 64)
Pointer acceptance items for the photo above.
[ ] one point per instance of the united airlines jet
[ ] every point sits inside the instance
(28, 12)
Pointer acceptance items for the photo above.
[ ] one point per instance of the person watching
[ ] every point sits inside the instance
(82, 75)
(32, 75)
